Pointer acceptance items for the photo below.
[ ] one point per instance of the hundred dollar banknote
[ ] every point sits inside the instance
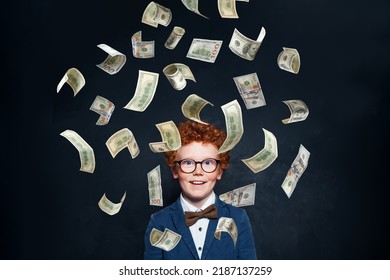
(154, 187)
(289, 60)
(155, 14)
(74, 79)
(87, 156)
(104, 108)
(239, 197)
(266, 156)
(298, 111)
(109, 207)
(146, 87)
(192, 106)
(234, 125)
(170, 135)
(114, 61)
(296, 170)
(141, 49)
(245, 47)
(177, 73)
(166, 240)
(121, 139)
(193, 5)
(227, 8)
(175, 37)
(250, 90)
(228, 225)
(204, 49)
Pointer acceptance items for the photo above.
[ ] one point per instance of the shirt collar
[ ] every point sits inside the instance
(189, 207)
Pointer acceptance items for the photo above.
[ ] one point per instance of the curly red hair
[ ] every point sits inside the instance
(197, 132)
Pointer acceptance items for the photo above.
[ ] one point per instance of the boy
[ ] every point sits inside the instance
(197, 166)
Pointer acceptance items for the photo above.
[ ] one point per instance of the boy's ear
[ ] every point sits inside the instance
(174, 173)
(219, 176)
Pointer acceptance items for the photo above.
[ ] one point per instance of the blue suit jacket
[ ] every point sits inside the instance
(172, 217)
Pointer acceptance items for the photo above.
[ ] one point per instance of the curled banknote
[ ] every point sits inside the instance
(87, 156)
(177, 74)
(227, 8)
(141, 49)
(104, 108)
(296, 170)
(192, 106)
(74, 79)
(155, 14)
(170, 135)
(146, 87)
(245, 47)
(193, 5)
(121, 139)
(250, 90)
(289, 60)
(266, 156)
(228, 225)
(154, 187)
(298, 111)
(239, 197)
(204, 49)
(234, 125)
(109, 207)
(166, 240)
(114, 61)
(175, 37)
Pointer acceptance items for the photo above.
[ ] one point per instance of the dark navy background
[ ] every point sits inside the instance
(339, 209)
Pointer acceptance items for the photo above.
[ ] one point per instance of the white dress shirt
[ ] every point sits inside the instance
(199, 229)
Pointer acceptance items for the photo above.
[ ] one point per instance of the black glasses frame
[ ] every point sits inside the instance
(196, 163)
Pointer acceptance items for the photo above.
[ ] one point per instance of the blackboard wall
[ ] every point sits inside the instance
(339, 209)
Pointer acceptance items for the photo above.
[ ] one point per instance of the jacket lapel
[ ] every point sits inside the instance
(178, 220)
(221, 212)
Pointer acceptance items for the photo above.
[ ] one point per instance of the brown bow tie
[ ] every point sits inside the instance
(191, 217)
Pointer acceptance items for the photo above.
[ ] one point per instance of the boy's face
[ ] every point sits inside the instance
(198, 185)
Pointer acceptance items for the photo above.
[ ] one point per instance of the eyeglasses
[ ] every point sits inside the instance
(209, 165)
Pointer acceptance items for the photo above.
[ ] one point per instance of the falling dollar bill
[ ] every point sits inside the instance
(109, 207)
(234, 125)
(177, 73)
(154, 187)
(166, 240)
(174, 38)
(204, 49)
(228, 225)
(243, 46)
(159, 147)
(114, 61)
(87, 156)
(250, 90)
(155, 14)
(144, 92)
(266, 156)
(289, 60)
(170, 135)
(141, 49)
(121, 139)
(74, 79)
(227, 8)
(243, 196)
(104, 108)
(296, 170)
(192, 5)
(298, 111)
(192, 106)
